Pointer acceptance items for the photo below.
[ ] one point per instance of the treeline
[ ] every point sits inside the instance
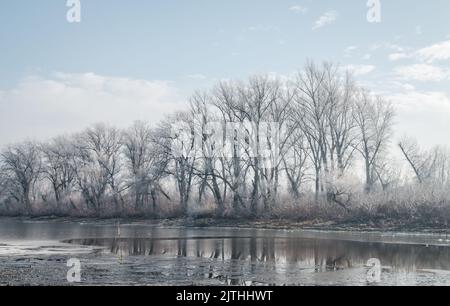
(331, 160)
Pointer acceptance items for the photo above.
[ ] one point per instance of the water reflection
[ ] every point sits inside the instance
(151, 254)
(322, 255)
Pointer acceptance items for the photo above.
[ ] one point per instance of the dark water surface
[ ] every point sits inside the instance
(148, 254)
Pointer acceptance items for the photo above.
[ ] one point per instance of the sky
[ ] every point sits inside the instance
(141, 59)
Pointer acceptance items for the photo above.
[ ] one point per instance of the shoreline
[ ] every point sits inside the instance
(270, 224)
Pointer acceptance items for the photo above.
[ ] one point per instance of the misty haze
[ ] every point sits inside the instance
(224, 143)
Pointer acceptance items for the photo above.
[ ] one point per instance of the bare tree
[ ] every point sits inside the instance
(342, 126)
(146, 163)
(374, 118)
(176, 136)
(210, 146)
(388, 173)
(279, 131)
(416, 159)
(99, 165)
(441, 166)
(296, 163)
(226, 101)
(22, 165)
(311, 112)
(429, 166)
(257, 98)
(58, 166)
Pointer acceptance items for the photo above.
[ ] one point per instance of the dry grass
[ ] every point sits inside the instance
(408, 206)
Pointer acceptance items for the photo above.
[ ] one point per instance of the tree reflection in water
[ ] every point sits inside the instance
(319, 254)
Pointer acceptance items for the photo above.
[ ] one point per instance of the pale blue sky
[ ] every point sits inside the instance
(171, 47)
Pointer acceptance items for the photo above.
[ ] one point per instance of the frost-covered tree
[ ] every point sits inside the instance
(21, 167)
(146, 163)
(374, 118)
(98, 165)
(428, 166)
(59, 166)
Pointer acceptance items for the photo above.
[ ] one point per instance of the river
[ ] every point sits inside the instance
(141, 253)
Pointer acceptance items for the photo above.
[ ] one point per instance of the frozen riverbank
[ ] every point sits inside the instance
(35, 252)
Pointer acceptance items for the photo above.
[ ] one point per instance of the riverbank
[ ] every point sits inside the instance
(274, 224)
(308, 225)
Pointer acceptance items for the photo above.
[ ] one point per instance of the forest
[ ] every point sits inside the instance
(314, 147)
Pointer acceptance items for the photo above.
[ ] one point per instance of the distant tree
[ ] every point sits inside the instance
(59, 166)
(210, 166)
(145, 161)
(429, 166)
(311, 112)
(226, 102)
(256, 100)
(296, 163)
(175, 135)
(374, 118)
(236, 148)
(98, 165)
(21, 165)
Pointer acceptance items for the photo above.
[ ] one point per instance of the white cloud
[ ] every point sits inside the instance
(298, 9)
(407, 86)
(422, 100)
(421, 72)
(349, 50)
(424, 115)
(326, 19)
(39, 107)
(436, 52)
(359, 70)
(397, 52)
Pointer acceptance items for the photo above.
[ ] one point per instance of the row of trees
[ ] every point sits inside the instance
(332, 130)
(98, 165)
